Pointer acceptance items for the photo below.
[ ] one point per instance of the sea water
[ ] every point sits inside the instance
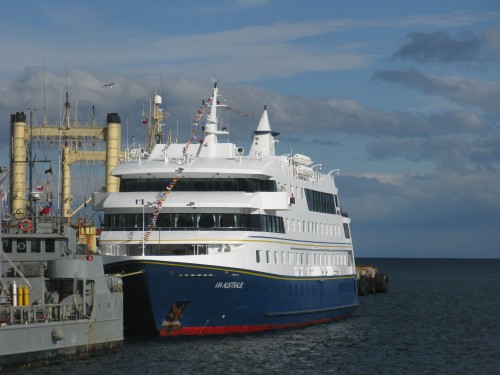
(440, 316)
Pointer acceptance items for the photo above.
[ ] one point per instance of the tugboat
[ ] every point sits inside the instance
(224, 242)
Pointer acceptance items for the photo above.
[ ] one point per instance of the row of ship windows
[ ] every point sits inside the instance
(194, 221)
(301, 259)
(317, 201)
(33, 246)
(317, 228)
(198, 184)
(265, 223)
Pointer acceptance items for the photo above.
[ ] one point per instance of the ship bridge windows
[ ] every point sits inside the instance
(31, 246)
(249, 185)
(318, 201)
(196, 221)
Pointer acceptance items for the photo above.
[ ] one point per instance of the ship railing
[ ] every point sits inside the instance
(38, 225)
(303, 172)
(16, 315)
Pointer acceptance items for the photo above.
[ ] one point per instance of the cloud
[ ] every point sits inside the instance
(464, 48)
(441, 47)
(259, 51)
(326, 116)
(473, 93)
(319, 118)
(447, 213)
(238, 54)
(452, 153)
(417, 197)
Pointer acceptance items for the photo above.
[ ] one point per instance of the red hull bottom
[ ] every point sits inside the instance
(221, 330)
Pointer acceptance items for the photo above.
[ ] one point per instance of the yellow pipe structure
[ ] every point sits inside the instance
(66, 182)
(20, 134)
(18, 161)
(70, 157)
(112, 151)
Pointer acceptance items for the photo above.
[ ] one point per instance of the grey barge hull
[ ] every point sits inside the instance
(87, 321)
(37, 346)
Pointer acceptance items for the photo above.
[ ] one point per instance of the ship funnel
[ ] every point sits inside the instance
(263, 137)
(113, 132)
(113, 118)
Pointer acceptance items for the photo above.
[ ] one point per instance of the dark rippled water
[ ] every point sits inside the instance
(439, 317)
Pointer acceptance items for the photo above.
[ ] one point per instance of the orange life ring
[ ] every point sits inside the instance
(25, 225)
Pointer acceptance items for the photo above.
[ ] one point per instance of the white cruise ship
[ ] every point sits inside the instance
(214, 240)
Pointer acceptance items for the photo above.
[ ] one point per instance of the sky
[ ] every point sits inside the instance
(403, 97)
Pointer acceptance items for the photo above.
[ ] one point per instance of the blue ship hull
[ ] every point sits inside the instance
(171, 299)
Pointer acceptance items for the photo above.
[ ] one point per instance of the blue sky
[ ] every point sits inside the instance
(401, 96)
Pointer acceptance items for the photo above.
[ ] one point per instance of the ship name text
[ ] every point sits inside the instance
(229, 285)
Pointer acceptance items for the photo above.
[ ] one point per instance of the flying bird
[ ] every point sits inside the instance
(109, 85)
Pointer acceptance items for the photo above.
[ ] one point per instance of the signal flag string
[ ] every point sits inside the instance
(171, 183)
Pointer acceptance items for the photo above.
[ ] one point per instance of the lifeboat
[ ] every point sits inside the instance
(302, 159)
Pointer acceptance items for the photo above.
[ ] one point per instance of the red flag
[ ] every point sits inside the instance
(46, 210)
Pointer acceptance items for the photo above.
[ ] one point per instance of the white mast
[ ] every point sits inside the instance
(210, 131)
